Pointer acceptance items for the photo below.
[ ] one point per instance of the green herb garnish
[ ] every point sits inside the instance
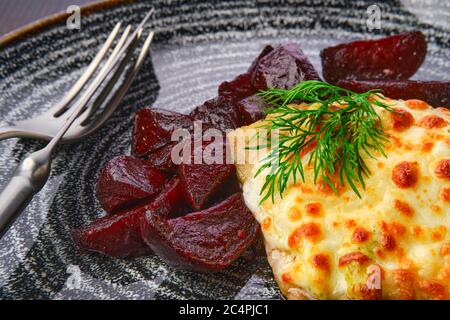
(341, 134)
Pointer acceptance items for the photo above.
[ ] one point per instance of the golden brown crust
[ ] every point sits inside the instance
(391, 244)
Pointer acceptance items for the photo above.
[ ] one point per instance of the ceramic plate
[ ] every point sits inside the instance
(198, 45)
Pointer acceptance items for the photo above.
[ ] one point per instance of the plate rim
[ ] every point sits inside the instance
(13, 37)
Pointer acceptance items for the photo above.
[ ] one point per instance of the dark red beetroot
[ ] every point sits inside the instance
(220, 113)
(125, 181)
(391, 58)
(209, 240)
(119, 235)
(228, 188)
(283, 68)
(435, 93)
(162, 160)
(251, 109)
(238, 88)
(241, 86)
(153, 129)
(202, 181)
(267, 49)
(224, 114)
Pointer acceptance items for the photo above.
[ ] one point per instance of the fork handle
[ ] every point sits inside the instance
(15, 197)
(28, 179)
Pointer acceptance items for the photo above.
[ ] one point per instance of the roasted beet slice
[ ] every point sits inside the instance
(116, 236)
(162, 160)
(435, 93)
(220, 113)
(153, 129)
(125, 181)
(283, 68)
(251, 109)
(119, 235)
(224, 114)
(241, 87)
(391, 58)
(201, 181)
(267, 49)
(238, 88)
(228, 188)
(208, 240)
(162, 157)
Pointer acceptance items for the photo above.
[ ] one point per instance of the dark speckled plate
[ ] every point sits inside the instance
(198, 44)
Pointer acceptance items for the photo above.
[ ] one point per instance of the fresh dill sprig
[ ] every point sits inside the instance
(342, 128)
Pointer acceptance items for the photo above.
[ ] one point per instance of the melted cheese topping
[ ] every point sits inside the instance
(392, 243)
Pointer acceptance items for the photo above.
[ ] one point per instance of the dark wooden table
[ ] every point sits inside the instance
(17, 13)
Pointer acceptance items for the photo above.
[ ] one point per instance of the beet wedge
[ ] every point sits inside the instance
(153, 129)
(392, 58)
(126, 181)
(238, 88)
(220, 113)
(435, 93)
(282, 68)
(251, 109)
(209, 240)
(265, 51)
(202, 181)
(162, 160)
(241, 87)
(226, 115)
(227, 189)
(119, 235)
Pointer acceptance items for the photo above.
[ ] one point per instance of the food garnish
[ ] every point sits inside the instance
(343, 127)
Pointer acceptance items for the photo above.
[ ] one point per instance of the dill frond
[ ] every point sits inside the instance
(342, 135)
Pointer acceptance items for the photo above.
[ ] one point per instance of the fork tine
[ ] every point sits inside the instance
(60, 107)
(115, 52)
(33, 172)
(121, 42)
(111, 81)
(121, 91)
(109, 66)
(84, 118)
(139, 29)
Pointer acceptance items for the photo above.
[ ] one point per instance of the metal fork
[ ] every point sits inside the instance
(81, 118)
(46, 125)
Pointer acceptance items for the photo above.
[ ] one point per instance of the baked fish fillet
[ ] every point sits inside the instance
(392, 243)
